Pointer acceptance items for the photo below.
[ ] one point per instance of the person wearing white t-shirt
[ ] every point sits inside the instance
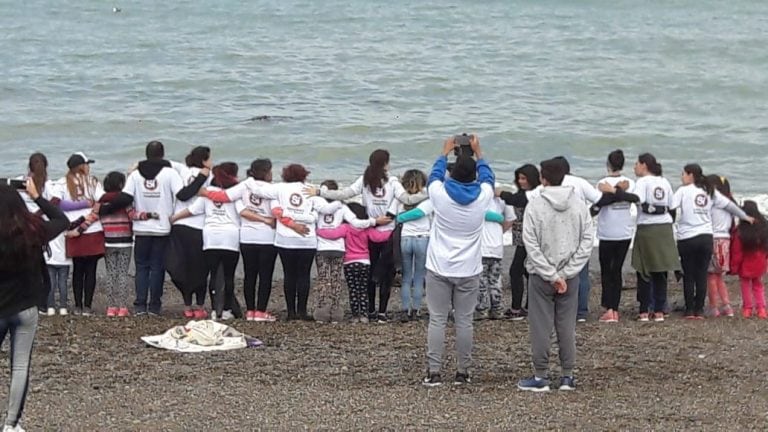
(695, 200)
(654, 253)
(722, 223)
(85, 249)
(379, 191)
(152, 188)
(489, 304)
(186, 263)
(221, 238)
(615, 228)
(454, 258)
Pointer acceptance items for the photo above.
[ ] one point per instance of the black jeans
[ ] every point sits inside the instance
(612, 254)
(84, 279)
(516, 274)
(375, 251)
(695, 255)
(659, 291)
(227, 259)
(258, 263)
(297, 265)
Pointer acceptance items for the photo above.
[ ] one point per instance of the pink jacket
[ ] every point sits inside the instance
(356, 240)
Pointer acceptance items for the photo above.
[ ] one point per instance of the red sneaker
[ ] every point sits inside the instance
(658, 317)
(123, 312)
(189, 313)
(762, 313)
(746, 313)
(263, 317)
(643, 317)
(616, 315)
(200, 314)
(111, 311)
(608, 317)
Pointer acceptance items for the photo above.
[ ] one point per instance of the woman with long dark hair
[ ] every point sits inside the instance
(186, 262)
(695, 200)
(526, 179)
(22, 238)
(378, 190)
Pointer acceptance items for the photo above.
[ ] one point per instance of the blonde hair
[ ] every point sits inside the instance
(414, 181)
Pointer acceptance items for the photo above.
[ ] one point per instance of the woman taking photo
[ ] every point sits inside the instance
(22, 238)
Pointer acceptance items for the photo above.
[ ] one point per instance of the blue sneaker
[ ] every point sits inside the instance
(534, 384)
(567, 383)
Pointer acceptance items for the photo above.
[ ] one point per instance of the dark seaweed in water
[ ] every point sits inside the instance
(268, 118)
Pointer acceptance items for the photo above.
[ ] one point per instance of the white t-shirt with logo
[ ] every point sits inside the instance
(221, 229)
(378, 202)
(252, 197)
(418, 227)
(493, 232)
(655, 191)
(157, 195)
(331, 220)
(302, 209)
(615, 222)
(188, 175)
(722, 222)
(93, 192)
(695, 207)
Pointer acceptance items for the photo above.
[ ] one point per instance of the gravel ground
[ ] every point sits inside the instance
(95, 374)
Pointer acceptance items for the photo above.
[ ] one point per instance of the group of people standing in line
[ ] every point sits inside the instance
(443, 231)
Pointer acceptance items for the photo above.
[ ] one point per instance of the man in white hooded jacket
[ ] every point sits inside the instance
(558, 236)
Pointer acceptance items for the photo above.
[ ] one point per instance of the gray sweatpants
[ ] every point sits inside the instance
(444, 294)
(548, 309)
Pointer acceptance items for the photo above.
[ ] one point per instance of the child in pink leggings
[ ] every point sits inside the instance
(749, 260)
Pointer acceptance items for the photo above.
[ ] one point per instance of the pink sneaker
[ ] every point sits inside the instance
(643, 317)
(608, 317)
(263, 317)
(200, 314)
(111, 311)
(658, 317)
(189, 313)
(123, 312)
(249, 315)
(762, 313)
(727, 310)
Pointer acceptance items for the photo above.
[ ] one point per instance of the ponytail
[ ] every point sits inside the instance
(649, 160)
(698, 178)
(38, 170)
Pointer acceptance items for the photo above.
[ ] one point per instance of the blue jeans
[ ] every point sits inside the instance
(59, 275)
(414, 252)
(149, 255)
(22, 327)
(584, 287)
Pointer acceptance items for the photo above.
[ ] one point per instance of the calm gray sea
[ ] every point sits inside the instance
(686, 80)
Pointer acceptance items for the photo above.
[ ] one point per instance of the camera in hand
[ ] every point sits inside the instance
(462, 145)
(14, 183)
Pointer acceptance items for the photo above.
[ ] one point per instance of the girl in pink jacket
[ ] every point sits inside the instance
(357, 263)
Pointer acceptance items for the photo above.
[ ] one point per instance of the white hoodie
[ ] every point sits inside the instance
(558, 234)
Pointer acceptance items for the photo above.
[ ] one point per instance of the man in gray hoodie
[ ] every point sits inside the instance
(558, 236)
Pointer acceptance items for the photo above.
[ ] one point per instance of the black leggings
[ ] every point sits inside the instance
(258, 263)
(375, 251)
(297, 265)
(186, 263)
(516, 274)
(695, 255)
(221, 301)
(84, 279)
(612, 254)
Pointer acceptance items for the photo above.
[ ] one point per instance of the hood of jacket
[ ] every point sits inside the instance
(149, 169)
(559, 197)
(462, 193)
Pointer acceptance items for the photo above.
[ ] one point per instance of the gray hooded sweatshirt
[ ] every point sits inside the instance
(558, 234)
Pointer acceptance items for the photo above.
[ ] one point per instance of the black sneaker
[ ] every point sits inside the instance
(382, 318)
(462, 378)
(406, 316)
(418, 316)
(432, 380)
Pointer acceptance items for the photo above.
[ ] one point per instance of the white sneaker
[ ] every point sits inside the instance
(227, 315)
(51, 312)
(63, 312)
(214, 316)
(16, 428)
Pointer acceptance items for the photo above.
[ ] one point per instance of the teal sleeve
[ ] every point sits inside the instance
(410, 215)
(492, 216)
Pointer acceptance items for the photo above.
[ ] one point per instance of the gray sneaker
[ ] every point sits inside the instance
(78, 311)
(87, 312)
(496, 315)
(481, 315)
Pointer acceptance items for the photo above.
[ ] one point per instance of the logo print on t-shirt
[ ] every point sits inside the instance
(658, 193)
(217, 204)
(379, 192)
(150, 184)
(328, 218)
(296, 200)
(254, 199)
(701, 200)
